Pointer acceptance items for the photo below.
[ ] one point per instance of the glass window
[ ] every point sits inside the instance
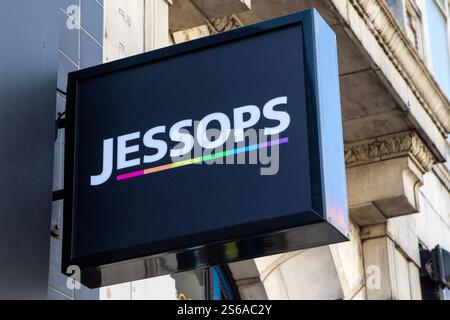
(397, 9)
(409, 17)
(445, 294)
(222, 284)
(438, 39)
(213, 283)
(413, 26)
(392, 4)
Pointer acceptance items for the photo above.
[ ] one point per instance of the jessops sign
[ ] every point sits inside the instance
(213, 151)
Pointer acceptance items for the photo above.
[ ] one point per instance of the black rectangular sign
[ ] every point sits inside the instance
(163, 173)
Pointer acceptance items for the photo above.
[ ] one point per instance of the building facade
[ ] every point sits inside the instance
(394, 69)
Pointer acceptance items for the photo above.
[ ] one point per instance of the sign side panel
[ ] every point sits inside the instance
(332, 140)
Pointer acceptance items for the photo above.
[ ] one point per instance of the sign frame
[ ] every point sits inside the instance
(321, 225)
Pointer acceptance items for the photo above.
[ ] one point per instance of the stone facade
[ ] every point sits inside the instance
(396, 120)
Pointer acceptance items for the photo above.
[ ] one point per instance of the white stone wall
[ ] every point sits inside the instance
(432, 225)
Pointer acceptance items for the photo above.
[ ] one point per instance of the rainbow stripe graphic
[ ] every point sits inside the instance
(184, 163)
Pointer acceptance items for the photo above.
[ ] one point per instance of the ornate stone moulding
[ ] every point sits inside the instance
(388, 147)
(403, 55)
(225, 24)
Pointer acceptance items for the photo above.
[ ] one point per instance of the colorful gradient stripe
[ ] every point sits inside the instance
(201, 159)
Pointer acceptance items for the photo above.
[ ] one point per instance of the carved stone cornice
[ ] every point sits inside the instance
(225, 24)
(388, 33)
(387, 147)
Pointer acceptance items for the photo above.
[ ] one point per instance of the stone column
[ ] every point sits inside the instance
(384, 175)
(391, 264)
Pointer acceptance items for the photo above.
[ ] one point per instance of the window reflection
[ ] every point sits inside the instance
(214, 283)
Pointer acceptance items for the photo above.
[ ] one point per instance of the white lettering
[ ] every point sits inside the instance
(123, 151)
(159, 145)
(282, 116)
(240, 125)
(107, 163)
(225, 126)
